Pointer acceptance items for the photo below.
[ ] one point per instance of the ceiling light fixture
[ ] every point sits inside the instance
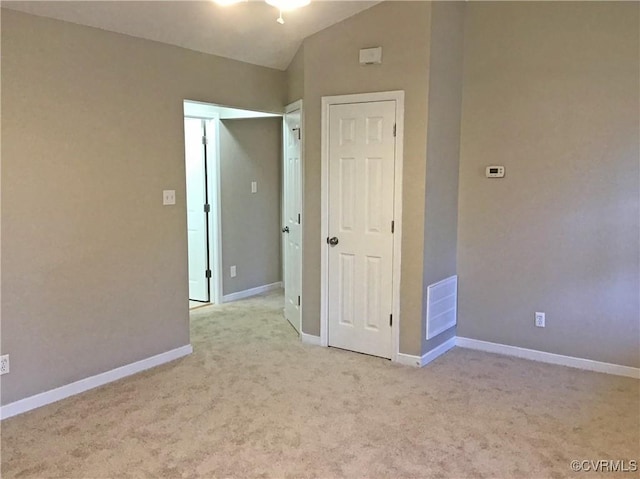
(225, 3)
(286, 5)
(281, 5)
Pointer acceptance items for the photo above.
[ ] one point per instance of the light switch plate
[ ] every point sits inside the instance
(254, 187)
(169, 197)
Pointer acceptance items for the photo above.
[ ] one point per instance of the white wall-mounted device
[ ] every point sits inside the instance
(169, 197)
(495, 171)
(370, 56)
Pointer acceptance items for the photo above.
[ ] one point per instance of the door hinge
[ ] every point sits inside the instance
(298, 131)
(393, 226)
(395, 127)
(207, 208)
(391, 320)
(299, 218)
(298, 300)
(205, 140)
(207, 273)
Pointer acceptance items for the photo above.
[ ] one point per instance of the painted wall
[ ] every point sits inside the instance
(331, 68)
(250, 150)
(551, 91)
(94, 268)
(443, 152)
(295, 77)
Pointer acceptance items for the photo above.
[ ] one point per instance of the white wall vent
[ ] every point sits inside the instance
(442, 306)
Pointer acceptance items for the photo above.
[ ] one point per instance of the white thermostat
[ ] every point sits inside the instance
(495, 171)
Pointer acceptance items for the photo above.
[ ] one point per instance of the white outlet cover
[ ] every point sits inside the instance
(540, 320)
(232, 271)
(4, 364)
(169, 197)
(254, 187)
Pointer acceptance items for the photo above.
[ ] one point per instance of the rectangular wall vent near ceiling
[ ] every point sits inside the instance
(442, 306)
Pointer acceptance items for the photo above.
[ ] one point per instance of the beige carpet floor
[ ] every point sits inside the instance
(252, 401)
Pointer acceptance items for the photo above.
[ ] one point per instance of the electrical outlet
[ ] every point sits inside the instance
(232, 271)
(540, 319)
(169, 197)
(254, 187)
(4, 364)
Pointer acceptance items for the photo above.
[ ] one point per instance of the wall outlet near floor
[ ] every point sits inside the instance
(168, 197)
(4, 364)
(254, 187)
(232, 271)
(540, 319)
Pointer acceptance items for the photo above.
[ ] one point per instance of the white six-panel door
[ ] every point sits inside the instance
(196, 217)
(361, 153)
(292, 229)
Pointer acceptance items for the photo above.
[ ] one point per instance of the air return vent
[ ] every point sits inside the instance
(442, 301)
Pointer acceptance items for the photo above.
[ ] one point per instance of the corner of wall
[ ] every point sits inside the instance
(443, 153)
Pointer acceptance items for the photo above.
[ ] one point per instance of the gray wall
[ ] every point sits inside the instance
(295, 76)
(94, 268)
(443, 151)
(551, 91)
(250, 150)
(331, 68)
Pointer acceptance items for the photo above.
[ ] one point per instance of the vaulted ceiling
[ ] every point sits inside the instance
(246, 31)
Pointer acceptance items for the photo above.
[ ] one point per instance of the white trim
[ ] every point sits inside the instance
(247, 293)
(550, 358)
(420, 361)
(327, 101)
(409, 360)
(291, 107)
(438, 351)
(215, 218)
(77, 387)
(310, 339)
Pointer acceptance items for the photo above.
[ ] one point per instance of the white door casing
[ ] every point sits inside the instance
(292, 215)
(361, 156)
(197, 235)
(212, 127)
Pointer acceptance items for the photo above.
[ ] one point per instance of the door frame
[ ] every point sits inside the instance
(215, 214)
(290, 108)
(327, 101)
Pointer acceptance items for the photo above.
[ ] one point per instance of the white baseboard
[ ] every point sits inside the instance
(247, 293)
(438, 351)
(77, 387)
(551, 358)
(419, 361)
(310, 339)
(409, 360)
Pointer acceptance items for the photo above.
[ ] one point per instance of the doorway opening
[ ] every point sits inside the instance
(211, 279)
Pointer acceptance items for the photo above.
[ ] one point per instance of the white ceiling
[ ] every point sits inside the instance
(246, 31)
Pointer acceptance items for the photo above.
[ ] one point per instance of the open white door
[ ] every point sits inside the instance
(195, 164)
(292, 215)
(360, 244)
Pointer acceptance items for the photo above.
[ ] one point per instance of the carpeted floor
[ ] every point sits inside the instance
(252, 401)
